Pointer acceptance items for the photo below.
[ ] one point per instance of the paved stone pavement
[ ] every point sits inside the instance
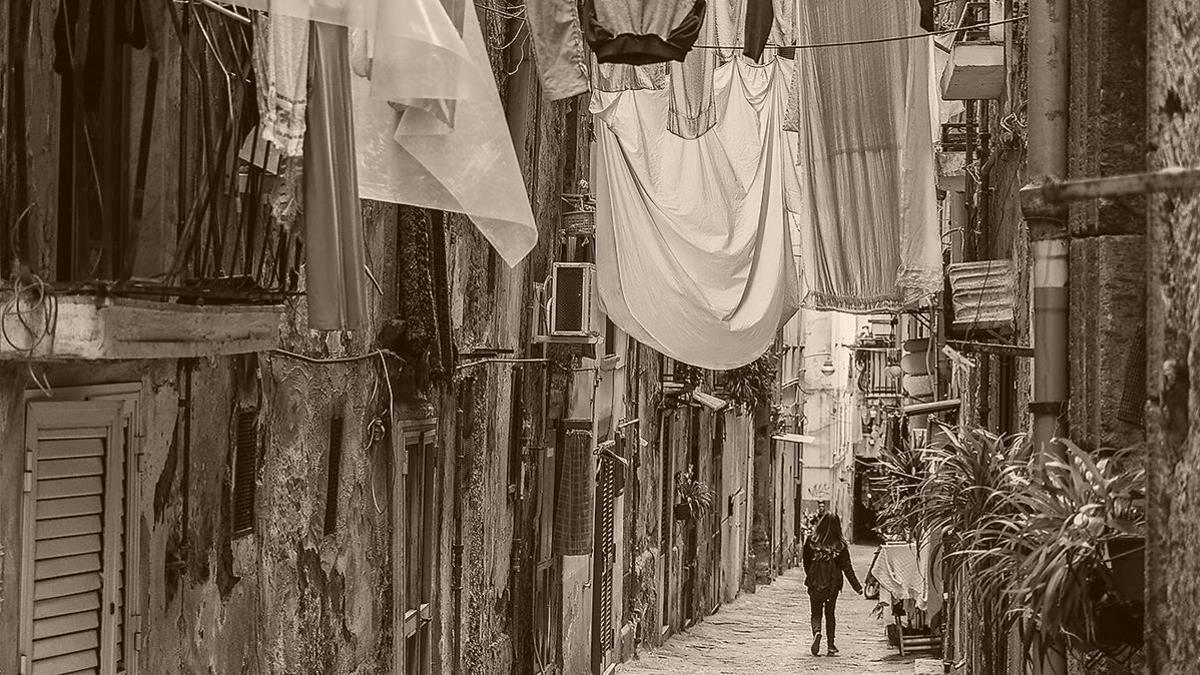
(768, 633)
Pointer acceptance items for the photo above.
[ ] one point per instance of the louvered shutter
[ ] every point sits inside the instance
(71, 593)
(245, 466)
(605, 496)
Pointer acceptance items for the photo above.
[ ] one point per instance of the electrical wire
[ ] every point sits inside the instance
(869, 41)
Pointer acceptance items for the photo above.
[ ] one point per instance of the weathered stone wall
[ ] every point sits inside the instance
(1107, 257)
(1173, 320)
(288, 597)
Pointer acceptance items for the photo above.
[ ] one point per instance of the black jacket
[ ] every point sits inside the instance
(824, 567)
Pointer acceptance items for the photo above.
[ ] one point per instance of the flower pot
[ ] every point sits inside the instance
(1127, 556)
(683, 511)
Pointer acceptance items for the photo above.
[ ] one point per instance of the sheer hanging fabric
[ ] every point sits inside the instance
(693, 244)
(429, 127)
(865, 163)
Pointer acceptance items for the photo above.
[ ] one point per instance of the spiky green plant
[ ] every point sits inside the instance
(1044, 550)
(752, 384)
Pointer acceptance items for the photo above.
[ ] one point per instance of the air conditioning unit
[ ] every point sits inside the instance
(571, 314)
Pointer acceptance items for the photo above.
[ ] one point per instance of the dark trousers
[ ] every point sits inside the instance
(819, 604)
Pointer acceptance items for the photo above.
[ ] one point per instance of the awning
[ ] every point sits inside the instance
(795, 438)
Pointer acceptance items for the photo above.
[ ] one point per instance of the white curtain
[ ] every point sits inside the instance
(867, 199)
(694, 253)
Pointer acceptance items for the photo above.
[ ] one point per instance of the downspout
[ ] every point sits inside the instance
(1047, 160)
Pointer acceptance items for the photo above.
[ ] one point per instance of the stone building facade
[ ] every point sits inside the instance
(258, 497)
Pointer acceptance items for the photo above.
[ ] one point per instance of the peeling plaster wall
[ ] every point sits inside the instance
(287, 598)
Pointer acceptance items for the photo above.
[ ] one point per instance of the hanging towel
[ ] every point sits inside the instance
(693, 247)
(281, 69)
(642, 31)
(693, 110)
(866, 199)
(558, 47)
(575, 504)
(334, 250)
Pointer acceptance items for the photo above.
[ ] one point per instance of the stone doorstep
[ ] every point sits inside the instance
(927, 667)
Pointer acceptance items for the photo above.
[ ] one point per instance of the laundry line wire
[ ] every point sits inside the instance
(894, 38)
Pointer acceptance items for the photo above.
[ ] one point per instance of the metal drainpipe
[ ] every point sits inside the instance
(1047, 159)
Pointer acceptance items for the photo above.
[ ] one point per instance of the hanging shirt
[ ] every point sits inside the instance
(642, 31)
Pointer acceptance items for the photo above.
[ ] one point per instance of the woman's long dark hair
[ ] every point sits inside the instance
(828, 532)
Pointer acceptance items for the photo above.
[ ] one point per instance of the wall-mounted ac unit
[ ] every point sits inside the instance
(570, 309)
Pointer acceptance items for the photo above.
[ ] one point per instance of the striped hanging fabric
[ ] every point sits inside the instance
(576, 493)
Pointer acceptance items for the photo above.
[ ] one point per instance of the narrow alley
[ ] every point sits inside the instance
(566, 337)
(767, 632)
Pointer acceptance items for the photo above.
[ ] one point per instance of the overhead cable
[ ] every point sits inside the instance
(868, 41)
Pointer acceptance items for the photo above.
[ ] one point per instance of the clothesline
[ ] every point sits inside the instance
(895, 38)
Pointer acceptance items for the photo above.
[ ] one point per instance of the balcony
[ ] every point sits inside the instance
(148, 202)
(975, 69)
(878, 371)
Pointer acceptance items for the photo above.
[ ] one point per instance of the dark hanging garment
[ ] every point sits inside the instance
(335, 253)
(760, 17)
(639, 32)
(927, 22)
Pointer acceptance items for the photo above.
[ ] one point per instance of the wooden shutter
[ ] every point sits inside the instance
(72, 596)
(245, 466)
(605, 493)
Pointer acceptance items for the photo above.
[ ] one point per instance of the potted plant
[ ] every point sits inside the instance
(693, 496)
(1049, 547)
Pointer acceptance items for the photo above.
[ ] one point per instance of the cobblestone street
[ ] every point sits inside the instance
(768, 632)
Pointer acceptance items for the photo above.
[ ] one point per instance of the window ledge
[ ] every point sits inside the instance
(85, 327)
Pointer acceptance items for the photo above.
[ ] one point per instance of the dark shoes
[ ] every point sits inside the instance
(833, 651)
(816, 645)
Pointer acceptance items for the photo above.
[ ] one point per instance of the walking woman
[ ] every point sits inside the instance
(826, 559)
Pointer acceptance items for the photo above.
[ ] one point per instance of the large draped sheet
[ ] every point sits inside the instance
(694, 254)
(429, 127)
(865, 159)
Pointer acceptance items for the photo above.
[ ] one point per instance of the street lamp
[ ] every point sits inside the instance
(827, 368)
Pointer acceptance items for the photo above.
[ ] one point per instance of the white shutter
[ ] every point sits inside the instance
(72, 530)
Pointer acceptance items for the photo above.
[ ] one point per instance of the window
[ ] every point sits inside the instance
(610, 338)
(415, 548)
(80, 488)
(245, 466)
(334, 473)
(516, 440)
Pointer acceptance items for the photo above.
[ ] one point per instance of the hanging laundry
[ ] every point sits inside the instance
(693, 246)
(928, 22)
(642, 31)
(335, 255)
(760, 19)
(558, 47)
(429, 127)
(281, 69)
(866, 197)
(692, 110)
(408, 157)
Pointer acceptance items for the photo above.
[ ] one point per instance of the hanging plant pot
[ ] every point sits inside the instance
(1128, 560)
(579, 222)
(683, 511)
